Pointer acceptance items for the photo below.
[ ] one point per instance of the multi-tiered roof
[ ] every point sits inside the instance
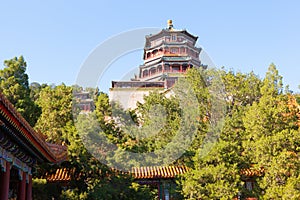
(167, 56)
(169, 52)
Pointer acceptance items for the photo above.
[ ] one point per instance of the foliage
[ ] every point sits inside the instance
(123, 188)
(242, 122)
(56, 105)
(272, 140)
(14, 85)
(42, 190)
(72, 194)
(215, 174)
(35, 89)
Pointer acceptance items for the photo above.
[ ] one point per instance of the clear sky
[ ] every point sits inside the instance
(56, 37)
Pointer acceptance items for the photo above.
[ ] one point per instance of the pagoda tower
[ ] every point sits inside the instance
(167, 56)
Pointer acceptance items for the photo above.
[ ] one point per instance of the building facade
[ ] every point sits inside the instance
(167, 56)
(83, 102)
(21, 149)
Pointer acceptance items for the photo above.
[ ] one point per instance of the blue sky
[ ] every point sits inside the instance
(56, 37)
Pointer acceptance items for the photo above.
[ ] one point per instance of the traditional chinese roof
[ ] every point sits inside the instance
(137, 84)
(249, 172)
(169, 31)
(155, 172)
(163, 43)
(60, 175)
(20, 139)
(177, 58)
(158, 172)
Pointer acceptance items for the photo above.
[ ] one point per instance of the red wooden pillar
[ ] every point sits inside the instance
(29, 188)
(22, 187)
(180, 68)
(4, 180)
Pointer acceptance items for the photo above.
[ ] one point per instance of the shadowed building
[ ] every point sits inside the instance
(21, 149)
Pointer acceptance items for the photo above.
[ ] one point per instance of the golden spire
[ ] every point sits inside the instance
(170, 24)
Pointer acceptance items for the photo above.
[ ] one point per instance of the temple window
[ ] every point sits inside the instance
(159, 68)
(174, 38)
(145, 73)
(166, 49)
(167, 67)
(175, 68)
(160, 51)
(148, 55)
(174, 50)
(152, 70)
(182, 50)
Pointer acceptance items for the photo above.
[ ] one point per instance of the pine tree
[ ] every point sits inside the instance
(56, 105)
(272, 140)
(14, 85)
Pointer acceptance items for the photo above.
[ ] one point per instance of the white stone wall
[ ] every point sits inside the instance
(128, 97)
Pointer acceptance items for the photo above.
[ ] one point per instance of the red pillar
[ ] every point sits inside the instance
(22, 187)
(4, 180)
(29, 188)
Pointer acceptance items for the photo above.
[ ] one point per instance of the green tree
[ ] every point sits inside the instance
(14, 85)
(88, 155)
(56, 105)
(35, 89)
(272, 140)
(103, 108)
(217, 161)
(264, 118)
(240, 88)
(217, 165)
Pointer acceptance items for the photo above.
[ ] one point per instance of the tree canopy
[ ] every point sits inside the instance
(14, 85)
(238, 121)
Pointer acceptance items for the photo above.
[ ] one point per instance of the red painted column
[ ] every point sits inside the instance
(22, 187)
(4, 180)
(29, 188)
